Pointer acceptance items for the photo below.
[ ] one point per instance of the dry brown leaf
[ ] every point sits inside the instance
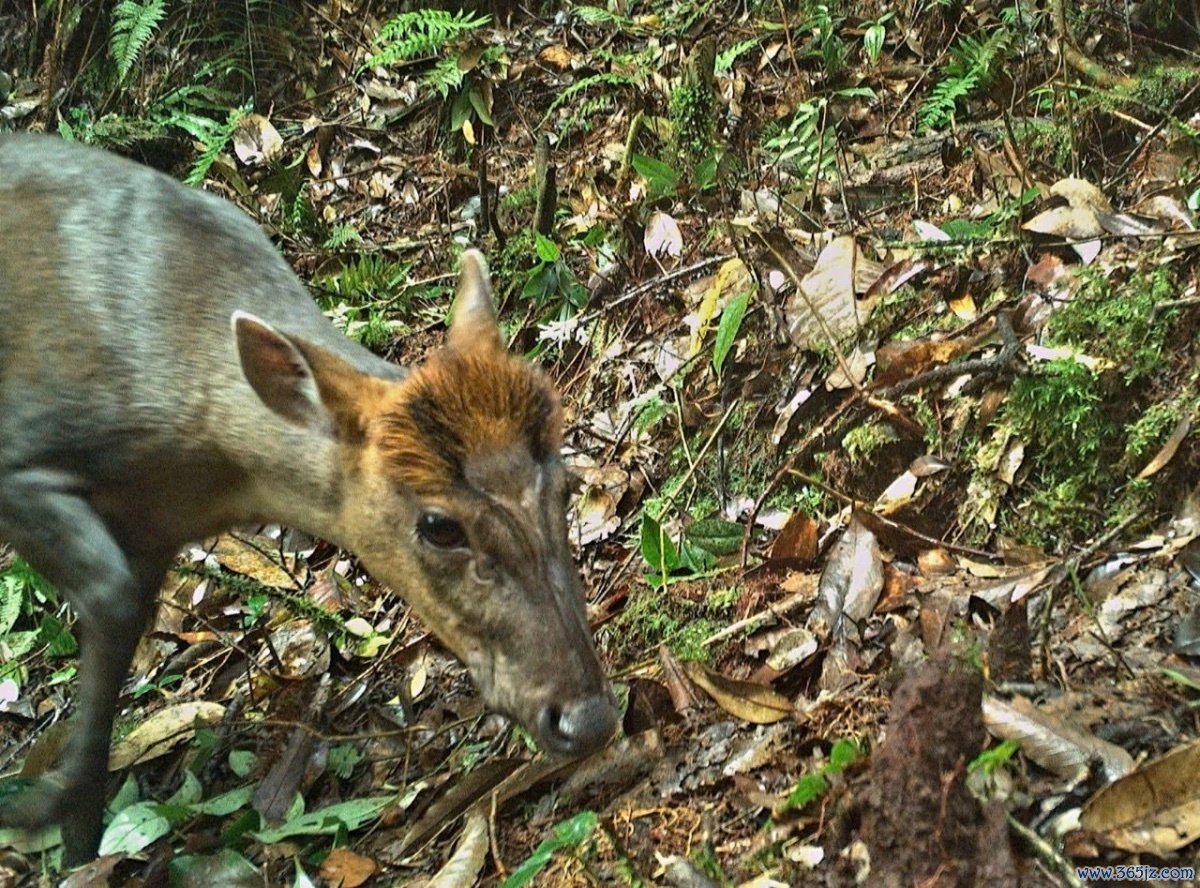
(747, 700)
(825, 306)
(797, 540)
(558, 56)
(466, 863)
(249, 559)
(163, 731)
(1052, 742)
(343, 868)
(255, 140)
(1081, 193)
(457, 799)
(936, 562)
(1080, 225)
(1154, 810)
(850, 583)
(1167, 452)
(901, 360)
(298, 650)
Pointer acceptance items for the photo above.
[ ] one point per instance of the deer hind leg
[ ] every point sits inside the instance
(50, 523)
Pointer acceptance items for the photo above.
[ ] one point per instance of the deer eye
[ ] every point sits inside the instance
(441, 531)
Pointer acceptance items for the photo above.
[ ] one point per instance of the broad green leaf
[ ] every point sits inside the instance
(716, 535)
(547, 250)
(189, 792)
(242, 761)
(843, 753)
(226, 803)
(659, 176)
(480, 106)
(727, 329)
(350, 815)
(225, 868)
(657, 548)
(134, 829)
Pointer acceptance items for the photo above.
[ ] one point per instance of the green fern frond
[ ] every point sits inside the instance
(341, 234)
(971, 67)
(584, 84)
(595, 15)
(726, 58)
(445, 76)
(133, 25)
(212, 134)
(421, 33)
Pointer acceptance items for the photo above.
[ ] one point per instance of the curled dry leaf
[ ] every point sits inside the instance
(1079, 225)
(1081, 193)
(162, 732)
(466, 863)
(746, 700)
(346, 869)
(458, 799)
(850, 584)
(255, 140)
(663, 237)
(1154, 810)
(249, 558)
(1051, 742)
(302, 650)
(1167, 451)
(797, 540)
(824, 306)
(595, 515)
(897, 495)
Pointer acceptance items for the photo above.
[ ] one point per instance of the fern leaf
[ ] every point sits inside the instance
(133, 25)
(421, 33)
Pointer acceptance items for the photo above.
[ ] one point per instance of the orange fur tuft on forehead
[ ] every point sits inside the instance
(461, 405)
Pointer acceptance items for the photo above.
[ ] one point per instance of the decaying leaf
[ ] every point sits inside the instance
(663, 237)
(1154, 810)
(255, 140)
(746, 700)
(347, 869)
(249, 558)
(162, 732)
(1079, 225)
(466, 863)
(850, 584)
(825, 307)
(797, 540)
(1167, 451)
(1052, 742)
(459, 798)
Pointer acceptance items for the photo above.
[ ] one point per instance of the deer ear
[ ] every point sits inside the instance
(473, 324)
(278, 371)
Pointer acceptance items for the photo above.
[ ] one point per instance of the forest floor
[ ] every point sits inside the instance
(875, 332)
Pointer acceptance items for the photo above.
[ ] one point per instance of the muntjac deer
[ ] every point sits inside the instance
(164, 376)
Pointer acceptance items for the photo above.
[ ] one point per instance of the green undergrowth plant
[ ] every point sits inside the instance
(27, 619)
(579, 102)
(540, 276)
(133, 25)
(974, 61)
(1090, 419)
(804, 144)
(571, 837)
(360, 297)
(683, 622)
(462, 68)
(815, 784)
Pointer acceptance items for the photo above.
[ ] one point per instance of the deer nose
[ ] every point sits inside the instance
(580, 727)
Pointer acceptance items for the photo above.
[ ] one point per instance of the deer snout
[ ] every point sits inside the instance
(580, 727)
